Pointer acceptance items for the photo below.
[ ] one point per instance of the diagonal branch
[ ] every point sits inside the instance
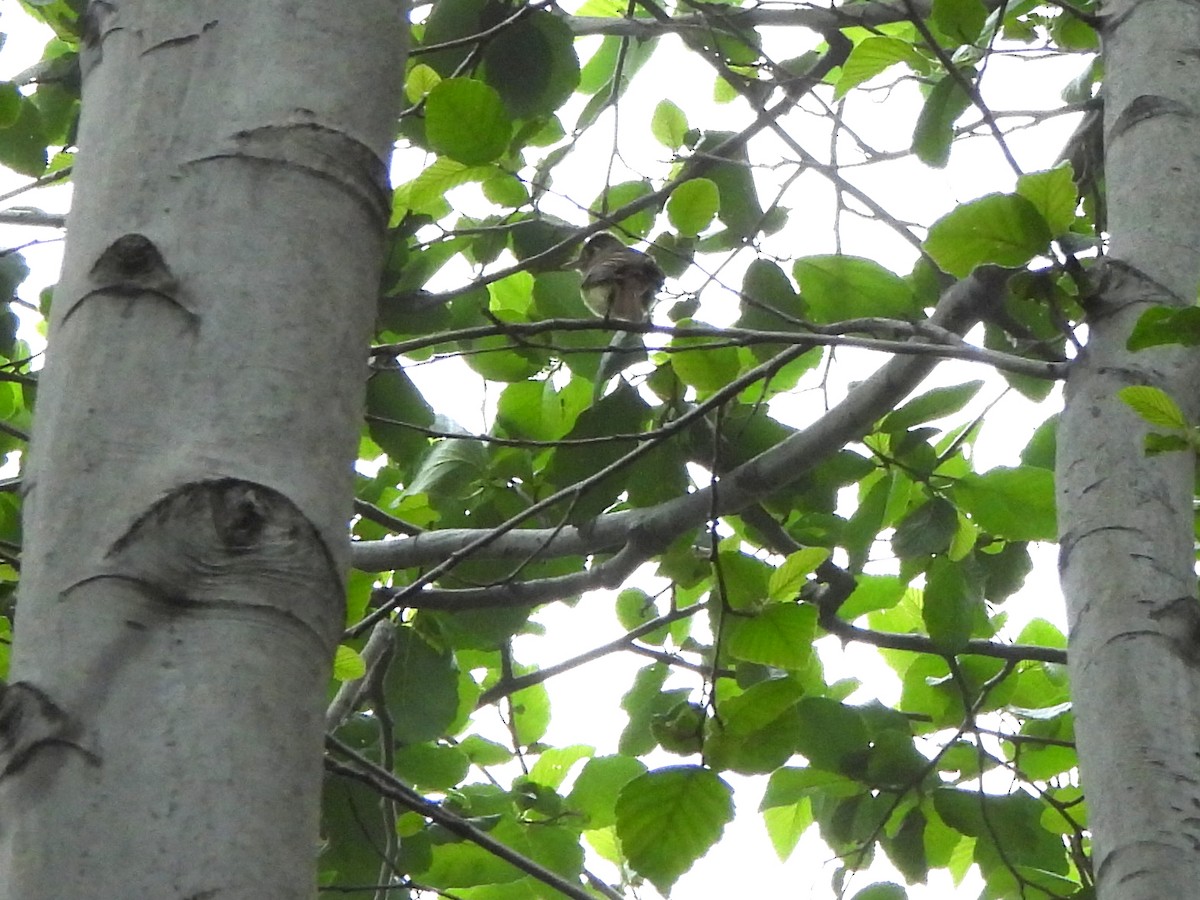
(657, 526)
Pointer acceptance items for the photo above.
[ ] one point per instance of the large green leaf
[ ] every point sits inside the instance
(1005, 229)
(23, 142)
(692, 205)
(421, 688)
(935, 125)
(466, 120)
(953, 601)
(599, 784)
(668, 818)
(847, 287)
(1017, 504)
(779, 636)
(933, 404)
(532, 64)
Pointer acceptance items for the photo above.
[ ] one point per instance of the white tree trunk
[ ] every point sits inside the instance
(190, 473)
(1128, 557)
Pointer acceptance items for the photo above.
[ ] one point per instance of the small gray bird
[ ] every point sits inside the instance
(618, 281)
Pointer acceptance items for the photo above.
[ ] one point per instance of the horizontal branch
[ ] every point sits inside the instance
(937, 342)
(723, 18)
(919, 643)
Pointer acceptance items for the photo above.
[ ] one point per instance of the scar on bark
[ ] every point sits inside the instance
(133, 266)
(29, 721)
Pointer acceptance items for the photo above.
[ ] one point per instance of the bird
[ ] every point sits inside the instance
(618, 281)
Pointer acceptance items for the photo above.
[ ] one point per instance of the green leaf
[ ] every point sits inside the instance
(645, 700)
(706, 368)
(496, 359)
(769, 302)
(1154, 405)
(786, 581)
(13, 271)
(449, 470)
(393, 402)
(348, 664)
(692, 205)
(1053, 194)
(353, 828)
(668, 818)
(961, 20)
(420, 687)
(554, 763)
(926, 530)
(483, 752)
(882, 890)
(1013, 819)
(466, 120)
(1017, 504)
(23, 143)
(786, 825)
(935, 125)
(834, 735)
(846, 287)
(433, 767)
(759, 705)
(787, 803)
(1004, 229)
(872, 56)
(599, 784)
(953, 601)
(513, 294)
(669, 125)
(1166, 443)
(780, 636)
(872, 592)
(530, 714)
(426, 193)
(10, 104)
(618, 195)
(934, 404)
(451, 21)
(740, 208)
(505, 189)
(532, 64)
(1166, 325)
(420, 81)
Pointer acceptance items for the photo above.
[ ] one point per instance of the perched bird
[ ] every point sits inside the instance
(618, 281)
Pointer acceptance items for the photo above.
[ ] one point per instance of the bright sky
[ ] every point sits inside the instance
(586, 700)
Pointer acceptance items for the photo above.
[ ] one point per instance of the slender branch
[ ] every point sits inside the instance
(510, 686)
(344, 701)
(32, 217)
(609, 574)
(816, 18)
(947, 346)
(919, 643)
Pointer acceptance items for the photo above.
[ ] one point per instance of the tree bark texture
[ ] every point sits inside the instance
(189, 480)
(1126, 519)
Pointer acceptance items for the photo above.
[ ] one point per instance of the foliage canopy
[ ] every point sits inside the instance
(761, 503)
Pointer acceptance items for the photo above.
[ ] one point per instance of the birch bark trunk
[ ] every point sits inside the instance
(1127, 521)
(189, 481)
